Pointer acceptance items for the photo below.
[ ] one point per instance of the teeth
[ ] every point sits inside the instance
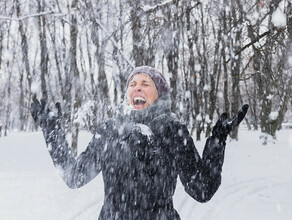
(139, 100)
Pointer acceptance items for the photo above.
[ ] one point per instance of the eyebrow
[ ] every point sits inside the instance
(143, 81)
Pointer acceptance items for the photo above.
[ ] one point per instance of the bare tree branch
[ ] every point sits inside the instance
(38, 14)
(251, 43)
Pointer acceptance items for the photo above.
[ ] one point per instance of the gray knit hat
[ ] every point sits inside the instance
(157, 77)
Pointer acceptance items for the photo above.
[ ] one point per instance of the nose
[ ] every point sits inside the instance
(138, 88)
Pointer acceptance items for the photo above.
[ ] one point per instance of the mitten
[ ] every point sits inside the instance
(44, 117)
(225, 125)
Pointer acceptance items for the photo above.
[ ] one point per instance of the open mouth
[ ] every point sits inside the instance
(139, 101)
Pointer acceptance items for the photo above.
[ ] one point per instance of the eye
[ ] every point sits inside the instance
(132, 84)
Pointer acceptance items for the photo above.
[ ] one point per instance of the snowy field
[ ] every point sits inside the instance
(257, 183)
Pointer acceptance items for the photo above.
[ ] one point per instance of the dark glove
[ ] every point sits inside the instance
(225, 125)
(43, 116)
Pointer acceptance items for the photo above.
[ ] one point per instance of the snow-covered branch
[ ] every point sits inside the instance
(251, 43)
(148, 8)
(115, 43)
(37, 15)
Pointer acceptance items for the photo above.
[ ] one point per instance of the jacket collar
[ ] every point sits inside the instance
(160, 107)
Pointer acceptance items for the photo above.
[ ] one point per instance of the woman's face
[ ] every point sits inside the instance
(142, 91)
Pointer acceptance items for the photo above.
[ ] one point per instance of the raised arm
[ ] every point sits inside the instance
(75, 172)
(201, 177)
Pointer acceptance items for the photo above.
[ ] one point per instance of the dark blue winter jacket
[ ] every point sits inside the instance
(141, 154)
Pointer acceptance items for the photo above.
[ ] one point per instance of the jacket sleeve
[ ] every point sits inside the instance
(75, 172)
(201, 177)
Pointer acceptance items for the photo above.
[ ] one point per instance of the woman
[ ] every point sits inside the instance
(141, 152)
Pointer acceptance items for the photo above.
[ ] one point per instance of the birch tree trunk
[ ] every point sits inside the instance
(191, 78)
(267, 123)
(172, 52)
(236, 61)
(226, 105)
(44, 50)
(76, 78)
(137, 34)
(8, 102)
(24, 46)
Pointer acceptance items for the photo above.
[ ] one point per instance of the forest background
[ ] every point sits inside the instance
(216, 56)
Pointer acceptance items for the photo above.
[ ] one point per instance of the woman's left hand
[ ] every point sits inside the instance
(225, 125)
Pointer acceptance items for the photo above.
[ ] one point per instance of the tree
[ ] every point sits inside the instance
(216, 55)
(24, 46)
(44, 50)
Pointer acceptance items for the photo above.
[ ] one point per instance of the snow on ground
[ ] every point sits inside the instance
(256, 183)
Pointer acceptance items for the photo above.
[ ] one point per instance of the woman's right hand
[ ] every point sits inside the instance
(37, 110)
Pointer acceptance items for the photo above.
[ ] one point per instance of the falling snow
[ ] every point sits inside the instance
(256, 183)
(279, 18)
